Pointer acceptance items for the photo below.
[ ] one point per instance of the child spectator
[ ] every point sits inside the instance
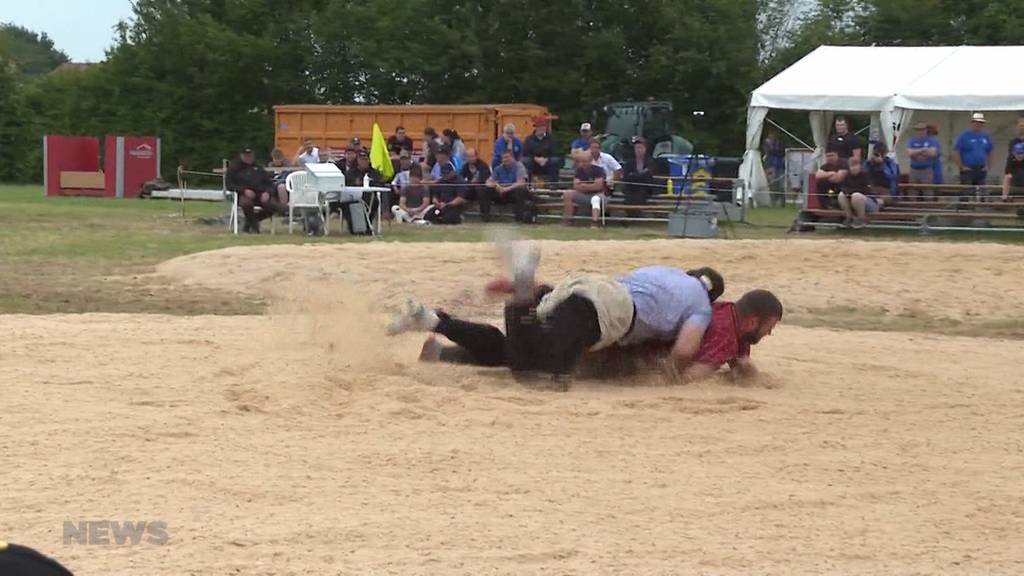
(278, 161)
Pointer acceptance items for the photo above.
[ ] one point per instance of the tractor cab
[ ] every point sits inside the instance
(651, 119)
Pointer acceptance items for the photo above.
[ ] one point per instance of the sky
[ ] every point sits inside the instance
(83, 29)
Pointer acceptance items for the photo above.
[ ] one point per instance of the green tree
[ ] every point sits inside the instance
(30, 52)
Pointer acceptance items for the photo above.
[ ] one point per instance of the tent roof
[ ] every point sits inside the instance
(860, 78)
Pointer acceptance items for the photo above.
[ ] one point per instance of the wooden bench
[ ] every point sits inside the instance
(921, 220)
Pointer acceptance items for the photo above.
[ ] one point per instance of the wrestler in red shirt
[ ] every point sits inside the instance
(734, 328)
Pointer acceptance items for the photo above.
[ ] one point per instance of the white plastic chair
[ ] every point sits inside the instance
(302, 196)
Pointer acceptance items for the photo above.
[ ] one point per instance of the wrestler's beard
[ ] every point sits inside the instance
(752, 337)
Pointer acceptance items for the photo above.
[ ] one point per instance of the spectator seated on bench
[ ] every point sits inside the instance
(883, 173)
(857, 198)
(413, 203)
(447, 192)
(540, 153)
(588, 191)
(401, 179)
(607, 162)
(638, 175)
(475, 173)
(829, 179)
(254, 189)
(507, 184)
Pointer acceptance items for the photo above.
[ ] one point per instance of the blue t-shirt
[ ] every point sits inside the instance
(581, 143)
(665, 298)
(499, 146)
(973, 147)
(917, 143)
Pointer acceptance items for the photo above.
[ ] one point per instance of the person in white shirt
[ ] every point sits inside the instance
(308, 153)
(401, 179)
(607, 162)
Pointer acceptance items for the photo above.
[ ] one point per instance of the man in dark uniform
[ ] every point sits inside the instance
(638, 174)
(254, 187)
(846, 144)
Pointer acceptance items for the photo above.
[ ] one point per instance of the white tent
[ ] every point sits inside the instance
(941, 84)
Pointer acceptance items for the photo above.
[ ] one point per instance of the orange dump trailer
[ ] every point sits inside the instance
(332, 127)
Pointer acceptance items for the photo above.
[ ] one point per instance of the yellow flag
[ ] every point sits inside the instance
(379, 158)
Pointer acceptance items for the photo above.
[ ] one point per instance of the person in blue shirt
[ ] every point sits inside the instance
(1019, 138)
(883, 173)
(507, 141)
(582, 143)
(774, 158)
(973, 152)
(924, 152)
(933, 132)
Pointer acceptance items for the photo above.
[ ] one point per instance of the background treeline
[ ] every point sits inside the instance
(204, 74)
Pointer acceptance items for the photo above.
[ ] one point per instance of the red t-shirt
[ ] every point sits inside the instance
(722, 343)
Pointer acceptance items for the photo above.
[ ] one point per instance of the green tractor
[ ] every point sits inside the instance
(651, 119)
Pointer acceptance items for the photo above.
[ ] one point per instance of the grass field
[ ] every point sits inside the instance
(95, 255)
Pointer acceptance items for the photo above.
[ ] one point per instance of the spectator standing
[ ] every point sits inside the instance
(582, 143)
(932, 131)
(278, 161)
(846, 144)
(507, 184)
(452, 140)
(442, 157)
(431, 143)
(413, 199)
(475, 173)
(540, 152)
(883, 173)
(857, 197)
(828, 180)
(638, 174)
(607, 162)
(507, 141)
(349, 160)
(973, 152)
(1019, 138)
(308, 153)
(924, 152)
(401, 140)
(588, 191)
(773, 155)
(354, 175)
(254, 187)
(1013, 175)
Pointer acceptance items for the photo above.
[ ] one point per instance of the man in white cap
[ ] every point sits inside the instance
(973, 152)
(582, 144)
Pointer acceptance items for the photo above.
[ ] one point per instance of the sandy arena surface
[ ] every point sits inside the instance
(305, 442)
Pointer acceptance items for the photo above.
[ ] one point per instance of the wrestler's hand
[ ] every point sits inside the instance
(498, 287)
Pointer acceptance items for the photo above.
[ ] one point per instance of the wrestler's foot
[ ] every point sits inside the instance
(431, 351)
(415, 318)
(525, 259)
